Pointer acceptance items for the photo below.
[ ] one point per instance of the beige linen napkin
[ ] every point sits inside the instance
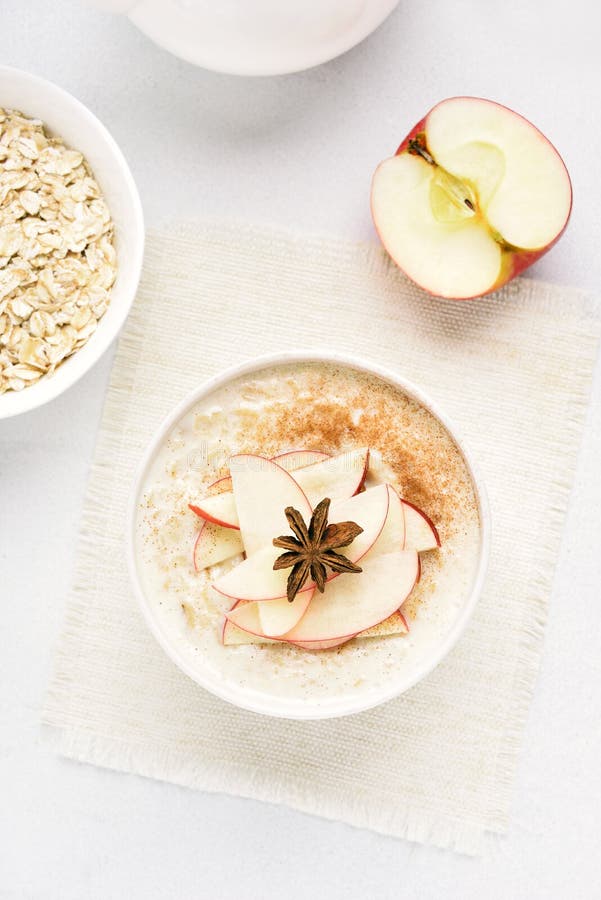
(513, 371)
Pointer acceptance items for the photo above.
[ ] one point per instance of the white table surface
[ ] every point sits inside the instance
(297, 150)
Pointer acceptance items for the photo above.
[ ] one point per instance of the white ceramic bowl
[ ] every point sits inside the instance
(259, 701)
(78, 127)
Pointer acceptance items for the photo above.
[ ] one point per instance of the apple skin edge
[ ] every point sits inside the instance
(306, 645)
(207, 518)
(427, 518)
(516, 262)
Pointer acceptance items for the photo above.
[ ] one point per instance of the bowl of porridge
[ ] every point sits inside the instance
(71, 240)
(307, 536)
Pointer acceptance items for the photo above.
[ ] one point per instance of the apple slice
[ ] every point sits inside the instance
(396, 624)
(262, 490)
(321, 645)
(402, 621)
(336, 477)
(289, 460)
(218, 508)
(474, 195)
(270, 619)
(353, 603)
(277, 617)
(392, 536)
(220, 541)
(248, 616)
(420, 531)
(232, 634)
(214, 544)
(339, 477)
(255, 578)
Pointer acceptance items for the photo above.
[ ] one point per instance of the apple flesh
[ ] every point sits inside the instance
(255, 578)
(420, 532)
(242, 617)
(339, 477)
(353, 603)
(214, 544)
(474, 195)
(262, 490)
(406, 527)
(292, 460)
(289, 460)
(321, 645)
(217, 541)
(336, 477)
(232, 634)
(392, 535)
(277, 617)
(272, 619)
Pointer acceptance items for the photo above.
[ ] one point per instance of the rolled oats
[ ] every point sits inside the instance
(57, 258)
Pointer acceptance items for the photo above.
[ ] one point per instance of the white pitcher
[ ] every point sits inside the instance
(255, 37)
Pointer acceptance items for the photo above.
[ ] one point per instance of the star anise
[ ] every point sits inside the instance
(314, 548)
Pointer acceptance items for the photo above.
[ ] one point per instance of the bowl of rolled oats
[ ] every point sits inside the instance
(71, 240)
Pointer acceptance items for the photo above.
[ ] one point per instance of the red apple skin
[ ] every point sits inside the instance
(221, 486)
(202, 515)
(196, 569)
(517, 261)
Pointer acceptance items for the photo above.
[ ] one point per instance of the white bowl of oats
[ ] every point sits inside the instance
(307, 536)
(71, 240)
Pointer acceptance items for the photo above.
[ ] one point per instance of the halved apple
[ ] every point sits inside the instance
(474, 195)
(353, 603)
(336, 477)
(420, 531)
(255, 578)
